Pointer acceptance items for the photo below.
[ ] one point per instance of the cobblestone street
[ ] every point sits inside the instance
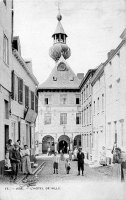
(95, 184)
(90, 174)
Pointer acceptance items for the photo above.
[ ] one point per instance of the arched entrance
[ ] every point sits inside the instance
(77, 141)
(63, 143)
(47, 141)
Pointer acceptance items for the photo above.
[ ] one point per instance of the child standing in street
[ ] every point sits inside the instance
(67, 166)
(55, 163)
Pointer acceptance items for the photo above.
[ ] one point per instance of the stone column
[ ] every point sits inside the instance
(55, 146)
(71, 144)
(55, 143)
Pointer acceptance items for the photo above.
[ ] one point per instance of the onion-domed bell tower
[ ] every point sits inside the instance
(59, 46)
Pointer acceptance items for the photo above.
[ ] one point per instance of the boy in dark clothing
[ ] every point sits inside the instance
(15, 160)
(80, 158)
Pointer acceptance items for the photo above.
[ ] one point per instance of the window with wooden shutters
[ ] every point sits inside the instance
(12, 84)
(20, 90)
(32, 100)
(36, 104)
(26, 96)
(5, 50)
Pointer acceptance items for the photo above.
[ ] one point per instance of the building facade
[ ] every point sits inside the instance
(59, 113)
(108, 100)
(18, 87)
(5, 74)
(86, 113)
(115, 72)
(24, 100)
(98, 112)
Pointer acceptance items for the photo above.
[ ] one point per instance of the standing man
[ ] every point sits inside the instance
(80, 159)
(15, 160)
(55, 163)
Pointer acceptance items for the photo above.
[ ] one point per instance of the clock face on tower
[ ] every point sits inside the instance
(61, 67)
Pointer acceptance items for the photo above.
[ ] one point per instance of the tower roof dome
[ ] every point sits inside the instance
(59, 46)
(59, 17)
(59, 49)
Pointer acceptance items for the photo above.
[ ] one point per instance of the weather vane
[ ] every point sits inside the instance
(59, 3)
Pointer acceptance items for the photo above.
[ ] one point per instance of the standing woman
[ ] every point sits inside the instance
(117, 161)
(26, 165)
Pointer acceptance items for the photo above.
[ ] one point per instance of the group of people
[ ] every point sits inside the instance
(17, 157)
(118, 173)
(117, 162)
(80, 161)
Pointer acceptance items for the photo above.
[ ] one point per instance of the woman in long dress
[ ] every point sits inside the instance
(116, 172)
(26, 165)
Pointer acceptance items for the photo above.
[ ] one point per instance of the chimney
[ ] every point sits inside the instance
(110, 53)
(80, 76)
(29, 65)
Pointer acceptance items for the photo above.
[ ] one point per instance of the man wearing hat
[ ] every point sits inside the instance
(15, 160)
(80, 159)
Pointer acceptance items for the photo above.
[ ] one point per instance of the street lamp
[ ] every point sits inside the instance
(64, 129)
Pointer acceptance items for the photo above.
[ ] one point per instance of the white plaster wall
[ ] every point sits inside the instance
(5, 70)
(116, 98)
(98, 119)
(55, 108)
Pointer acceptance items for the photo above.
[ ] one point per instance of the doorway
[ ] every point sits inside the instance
(6, 130)
(63, 146)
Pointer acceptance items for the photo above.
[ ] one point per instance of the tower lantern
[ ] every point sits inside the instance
(59, 45)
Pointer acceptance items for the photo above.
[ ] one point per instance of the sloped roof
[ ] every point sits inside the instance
(61, 79)
(59, 29)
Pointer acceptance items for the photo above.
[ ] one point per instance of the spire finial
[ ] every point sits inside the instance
(59, 16)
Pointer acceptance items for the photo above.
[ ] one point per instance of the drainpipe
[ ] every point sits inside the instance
(105, 105)
(12, 22)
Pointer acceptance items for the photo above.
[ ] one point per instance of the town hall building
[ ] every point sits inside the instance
(59, 107)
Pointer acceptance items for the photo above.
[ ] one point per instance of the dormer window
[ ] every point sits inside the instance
(54, 78)
(118, 54)
(71, 78)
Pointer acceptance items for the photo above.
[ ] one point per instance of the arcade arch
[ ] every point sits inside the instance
(48, 141)
(77, 141)
(63, 143)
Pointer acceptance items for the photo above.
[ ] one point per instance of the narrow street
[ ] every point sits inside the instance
(90, 174)
(95, 184)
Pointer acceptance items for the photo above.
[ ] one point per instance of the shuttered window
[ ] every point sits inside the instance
(36, 104)
(5, 50)
(26, 96)
(20, 90)
(12, 84)
(32, 100)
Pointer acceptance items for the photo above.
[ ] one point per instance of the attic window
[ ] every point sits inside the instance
(71, 78)
(110, 62)
(118, 80)
(54, 78)
(118, 54)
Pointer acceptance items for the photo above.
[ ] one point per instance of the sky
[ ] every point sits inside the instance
(93, 28)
